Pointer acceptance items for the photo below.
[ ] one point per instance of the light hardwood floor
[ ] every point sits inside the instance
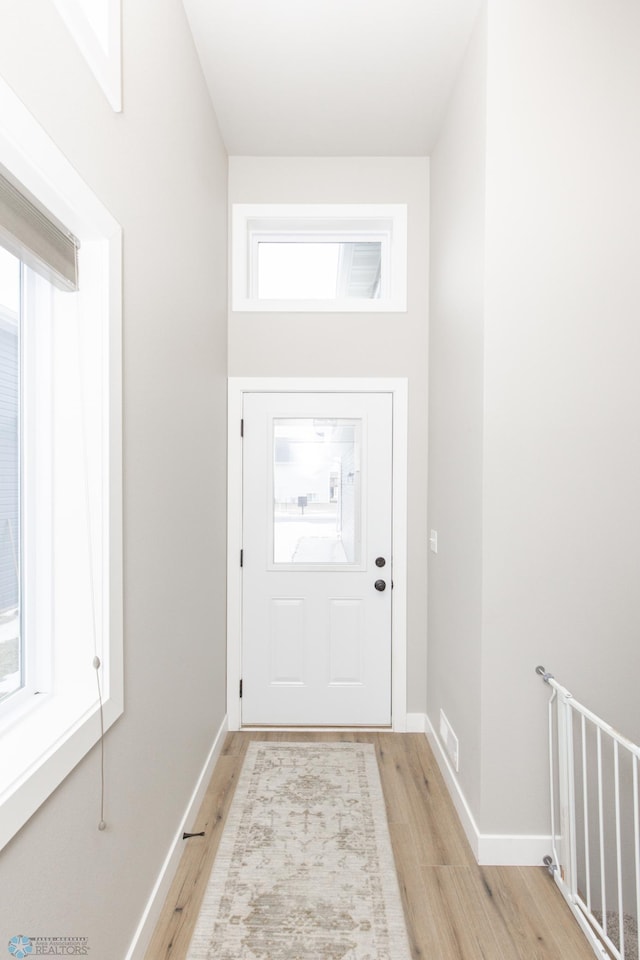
(455, 910)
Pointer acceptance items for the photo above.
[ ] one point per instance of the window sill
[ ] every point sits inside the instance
(40, 749)
(247, 305)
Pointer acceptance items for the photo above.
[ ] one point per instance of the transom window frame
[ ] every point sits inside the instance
(252, 224)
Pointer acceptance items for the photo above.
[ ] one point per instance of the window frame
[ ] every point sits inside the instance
(46, 736)
(101, 48)
(252, 224)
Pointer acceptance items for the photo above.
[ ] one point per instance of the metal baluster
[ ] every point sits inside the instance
(585, 806)
(616, 770)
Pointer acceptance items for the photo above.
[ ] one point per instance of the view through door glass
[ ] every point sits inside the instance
(316, 491)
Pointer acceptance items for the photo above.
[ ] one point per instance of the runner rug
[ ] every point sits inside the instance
(305, 869)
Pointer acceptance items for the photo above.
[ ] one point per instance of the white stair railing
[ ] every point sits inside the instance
(595, 823)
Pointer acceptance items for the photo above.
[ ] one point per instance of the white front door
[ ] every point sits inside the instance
(316, 576)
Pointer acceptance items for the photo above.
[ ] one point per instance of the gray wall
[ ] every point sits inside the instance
(559, 513)
(161, 169)
(456, 384)
(562, 392)
(354, 344)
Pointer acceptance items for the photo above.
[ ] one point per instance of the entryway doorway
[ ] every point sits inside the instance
(317, 522)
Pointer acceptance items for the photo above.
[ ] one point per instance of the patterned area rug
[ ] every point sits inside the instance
(305, 869)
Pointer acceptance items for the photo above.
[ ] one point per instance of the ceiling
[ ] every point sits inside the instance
(330, 77)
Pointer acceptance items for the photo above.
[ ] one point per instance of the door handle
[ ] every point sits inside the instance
(380, 585)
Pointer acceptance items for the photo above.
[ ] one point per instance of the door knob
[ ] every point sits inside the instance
(380, 585)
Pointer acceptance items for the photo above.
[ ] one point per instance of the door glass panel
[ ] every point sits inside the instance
(316, 491)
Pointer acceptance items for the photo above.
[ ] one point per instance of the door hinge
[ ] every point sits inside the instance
(241, 689)
(242, 558)
(242, 428)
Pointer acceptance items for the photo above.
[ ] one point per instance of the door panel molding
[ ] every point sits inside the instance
(397, 387)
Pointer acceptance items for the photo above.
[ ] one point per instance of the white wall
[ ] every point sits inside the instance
(161, 170)
(456, 382)
(353, 344)
(559, 516)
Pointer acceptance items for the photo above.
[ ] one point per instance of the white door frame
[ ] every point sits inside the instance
(397, 386)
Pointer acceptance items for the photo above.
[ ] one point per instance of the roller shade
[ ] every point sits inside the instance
(30, 232)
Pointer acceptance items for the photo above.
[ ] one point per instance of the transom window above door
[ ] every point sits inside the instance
(319, 257)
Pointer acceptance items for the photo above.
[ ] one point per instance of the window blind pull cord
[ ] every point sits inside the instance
(101, 823)
(96, 662)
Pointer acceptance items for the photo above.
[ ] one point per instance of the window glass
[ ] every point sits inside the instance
(307, 270)
(316, 491)
(11, 661)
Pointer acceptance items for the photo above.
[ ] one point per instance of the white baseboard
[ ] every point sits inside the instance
(489, 849)
(513, 850)
(151, 914)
